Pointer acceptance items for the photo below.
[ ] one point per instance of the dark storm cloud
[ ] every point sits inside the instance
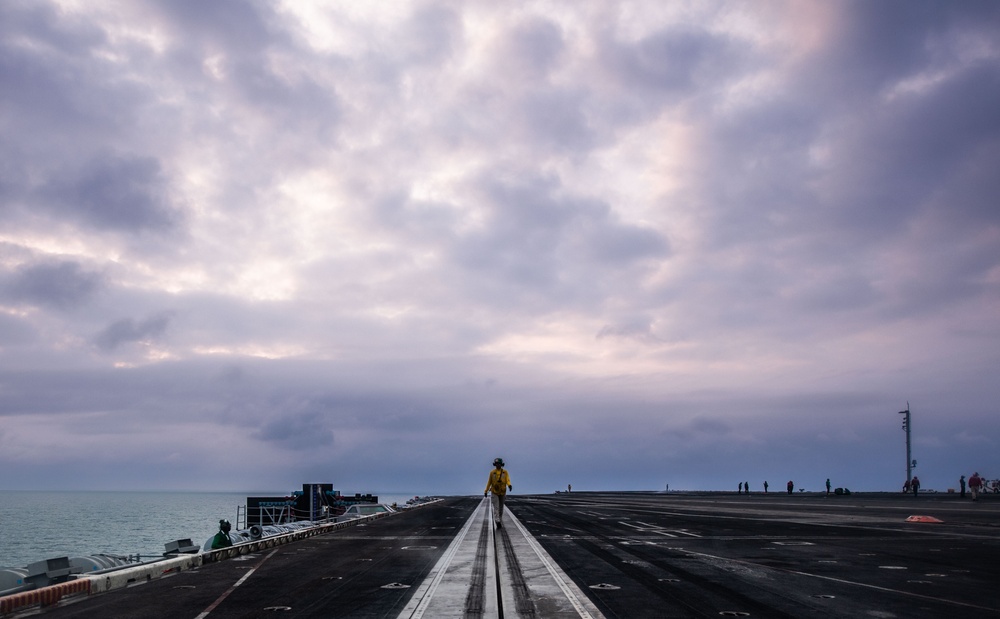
(39, 86)
(671, 70)
(531, 49)
(903, 143)
(62, 166)
(913, 147)
(66, 98)
(313, 417)
(251, 51)
(890, 151)
(129, 330)
(296, 431)
(71, 391)
(227, 24)
(816, 183)
(124, 193)
(554, 119)
(535, 108)
(670, 61)
(637, 328)
(537, 237)
(61, 285)
(874, 44)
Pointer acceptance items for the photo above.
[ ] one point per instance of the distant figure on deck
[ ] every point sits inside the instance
(740, 491)
(828, 485)
(915, 485)
(765, 486)
(746, 486)
(222, 539)
(498, 483)
(961, 486)
(569, 487)
(791, 486)
(975, 485)
(906, 486)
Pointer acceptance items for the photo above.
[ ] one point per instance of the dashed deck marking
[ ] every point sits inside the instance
(657, 529)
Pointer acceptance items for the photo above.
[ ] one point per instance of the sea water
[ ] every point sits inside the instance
(44, 525)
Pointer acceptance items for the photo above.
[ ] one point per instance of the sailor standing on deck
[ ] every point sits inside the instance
(222, 539)
(975, 485)
(498, 484)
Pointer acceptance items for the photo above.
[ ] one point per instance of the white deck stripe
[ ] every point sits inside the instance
(581, 603)
(421, 599)
(838, 580)
(239, 582)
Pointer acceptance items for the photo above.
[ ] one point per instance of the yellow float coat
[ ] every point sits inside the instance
(499, 480)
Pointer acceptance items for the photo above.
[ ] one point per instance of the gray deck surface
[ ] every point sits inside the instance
(627, 555)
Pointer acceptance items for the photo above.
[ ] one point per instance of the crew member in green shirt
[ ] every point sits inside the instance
(222, 539)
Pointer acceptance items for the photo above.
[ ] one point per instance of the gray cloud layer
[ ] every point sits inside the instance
(245, 245)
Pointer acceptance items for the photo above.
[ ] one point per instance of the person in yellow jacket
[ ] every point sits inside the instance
(499, 484)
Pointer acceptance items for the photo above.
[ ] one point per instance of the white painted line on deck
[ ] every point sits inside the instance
(837, 580)
(579, 600)
(239, 582)
(421, 599)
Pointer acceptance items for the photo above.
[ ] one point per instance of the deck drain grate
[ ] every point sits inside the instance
(277, 609)
(605, 587)
(733, 613)
(824, 596)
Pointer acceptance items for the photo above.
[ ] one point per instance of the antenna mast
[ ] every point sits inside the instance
(910, 463)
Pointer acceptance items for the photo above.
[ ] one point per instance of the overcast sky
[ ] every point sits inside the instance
(247, 245)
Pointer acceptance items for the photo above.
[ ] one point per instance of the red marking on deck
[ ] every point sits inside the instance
(923, 519)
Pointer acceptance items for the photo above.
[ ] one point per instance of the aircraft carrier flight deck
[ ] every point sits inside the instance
(581, 554)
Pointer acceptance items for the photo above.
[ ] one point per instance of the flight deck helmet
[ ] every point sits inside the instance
(224, 526)
(497, 461)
